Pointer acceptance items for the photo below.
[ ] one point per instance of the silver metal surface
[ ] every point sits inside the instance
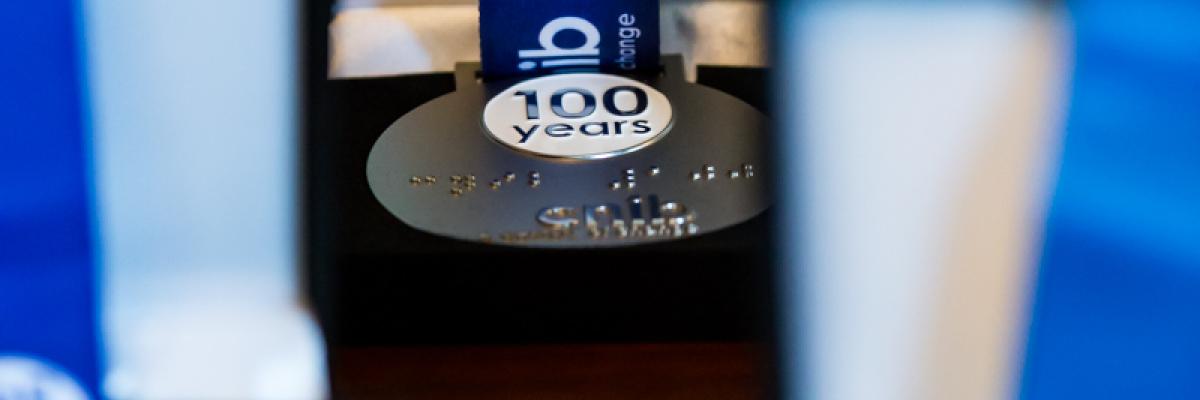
(571, 203)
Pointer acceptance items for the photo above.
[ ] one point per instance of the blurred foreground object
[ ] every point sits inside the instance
(1117, 312)
(923, 129)
(915, 138)
(48, 344)
(194, 108)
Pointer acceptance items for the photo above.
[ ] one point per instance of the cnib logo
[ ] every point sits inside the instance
(582, 115)
(531, 37)
(587, 54)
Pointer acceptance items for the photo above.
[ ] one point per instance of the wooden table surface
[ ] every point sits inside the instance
(691, 371)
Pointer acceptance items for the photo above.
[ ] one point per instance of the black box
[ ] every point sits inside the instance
(377, 282)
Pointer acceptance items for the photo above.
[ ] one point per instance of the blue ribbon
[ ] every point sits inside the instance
(534, 37)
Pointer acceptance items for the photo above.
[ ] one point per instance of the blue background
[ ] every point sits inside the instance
(1117, 308)
(47, 307)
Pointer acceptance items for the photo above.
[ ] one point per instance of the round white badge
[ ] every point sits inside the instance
(582, 116)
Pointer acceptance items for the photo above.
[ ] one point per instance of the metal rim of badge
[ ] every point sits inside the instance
(457, 166)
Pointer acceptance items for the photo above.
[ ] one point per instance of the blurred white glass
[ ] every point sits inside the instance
(193, 106)
(916, 137)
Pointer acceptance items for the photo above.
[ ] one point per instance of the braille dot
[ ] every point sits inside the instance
(710, 169)
(496, 184)
(615, 185)
(430, 179)
(696, 176)
(734, 174)
(710, 175)
(655, 170)
(416, 180)
(509, 176)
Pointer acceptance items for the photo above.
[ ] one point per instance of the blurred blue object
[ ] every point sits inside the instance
(47, 290)
(1117, 308)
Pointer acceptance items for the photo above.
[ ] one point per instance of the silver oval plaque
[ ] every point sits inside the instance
(623, 161)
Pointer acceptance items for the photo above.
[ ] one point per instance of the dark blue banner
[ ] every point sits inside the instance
(48, 335)
(535, 37)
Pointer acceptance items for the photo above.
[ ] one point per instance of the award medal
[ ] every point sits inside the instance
(592, 152)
